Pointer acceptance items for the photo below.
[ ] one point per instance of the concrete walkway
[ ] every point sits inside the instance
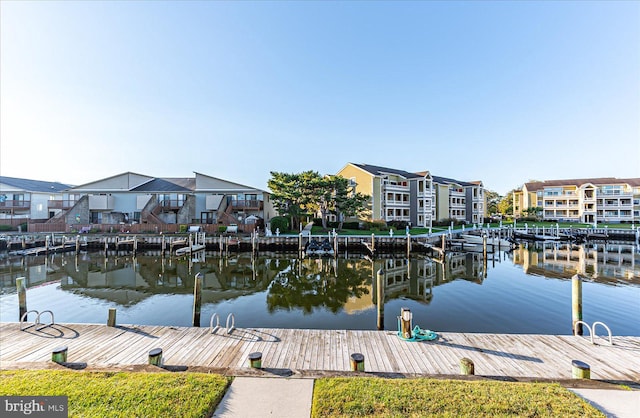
(258, 397)
(614, 403)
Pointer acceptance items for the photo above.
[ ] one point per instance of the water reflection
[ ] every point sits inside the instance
(606, 263)
(334, 292)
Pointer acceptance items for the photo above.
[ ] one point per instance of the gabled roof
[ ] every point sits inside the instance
(445, 180)
(167, 185)
(539, 185)
(381, 171)
(34, 185)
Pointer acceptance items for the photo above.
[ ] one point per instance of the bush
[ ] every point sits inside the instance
(222, 228)
(351, 225)
(6, 228)
(398, 225)
(281, 223)
(183, 229)
(376, 225)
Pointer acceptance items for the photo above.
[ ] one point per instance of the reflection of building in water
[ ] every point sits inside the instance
(599, 261)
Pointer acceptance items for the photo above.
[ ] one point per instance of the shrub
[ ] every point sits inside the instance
(222, 228)
(398, 225)
(281, 223)
(6, 228)
(351, 225)
(183, 229)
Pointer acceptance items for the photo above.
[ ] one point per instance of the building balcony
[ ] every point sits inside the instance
(395, 188)
(247, 205)
(396, 203)
(101, 202)
(61, 204)
(15, 204)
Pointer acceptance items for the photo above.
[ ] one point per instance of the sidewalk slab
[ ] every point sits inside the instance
(257, 397)
(613, 403)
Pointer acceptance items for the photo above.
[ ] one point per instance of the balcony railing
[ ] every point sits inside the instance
(247, 204)
(61, 204)
(15, 204)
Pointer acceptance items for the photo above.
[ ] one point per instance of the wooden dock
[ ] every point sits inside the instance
(307, 350)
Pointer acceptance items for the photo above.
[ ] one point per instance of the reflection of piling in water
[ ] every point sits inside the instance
(576, 304)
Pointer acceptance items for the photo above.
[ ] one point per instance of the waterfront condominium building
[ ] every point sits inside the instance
(606, 200)
(418, 198)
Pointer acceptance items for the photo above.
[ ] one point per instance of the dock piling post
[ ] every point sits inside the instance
(197, 299)
(576, 304)
(380, 298)
(22, 296)
(255, 360)
(59, 354)
(580, 370)
(466, 366)
(111, 320)
(357, 362)
(155, 357)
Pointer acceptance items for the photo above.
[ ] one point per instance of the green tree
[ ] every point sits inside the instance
(287, 195)
(493, 198)
(339, 198)
(505, 205)
(294, 195)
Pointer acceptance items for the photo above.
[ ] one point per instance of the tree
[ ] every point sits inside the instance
(294, 195)
(341, 199)
(505, 205)
(287, 194)
(493, 198)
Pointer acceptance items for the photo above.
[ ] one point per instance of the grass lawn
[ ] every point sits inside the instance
(122, 394)
(352, 397)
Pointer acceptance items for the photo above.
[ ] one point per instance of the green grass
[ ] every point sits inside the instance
(353, 397)
(122, 394)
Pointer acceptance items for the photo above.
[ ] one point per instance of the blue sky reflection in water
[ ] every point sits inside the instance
(327, 294)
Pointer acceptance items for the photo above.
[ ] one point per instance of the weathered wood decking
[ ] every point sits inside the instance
(508, 355)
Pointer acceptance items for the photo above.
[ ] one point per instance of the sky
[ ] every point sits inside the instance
(503, 92)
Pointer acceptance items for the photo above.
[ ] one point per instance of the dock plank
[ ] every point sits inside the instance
(513, 355)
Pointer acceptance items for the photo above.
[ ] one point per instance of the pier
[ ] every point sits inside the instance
(310, 351)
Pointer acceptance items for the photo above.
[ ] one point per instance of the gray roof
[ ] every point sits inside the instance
(34, 185)
(377, 171)
(167, 185)
(445, 180)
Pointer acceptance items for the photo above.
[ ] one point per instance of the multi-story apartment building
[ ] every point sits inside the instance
(22, 200)
(418, 198)
(607, 200)
(463, 201)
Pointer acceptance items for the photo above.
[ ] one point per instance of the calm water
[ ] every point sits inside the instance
(524, 291)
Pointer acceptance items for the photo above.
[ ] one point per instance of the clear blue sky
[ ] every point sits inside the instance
(502, 92)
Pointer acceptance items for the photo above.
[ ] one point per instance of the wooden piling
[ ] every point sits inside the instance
(111, 320)
(22, 296)
(197, 299)
(380, 298)
(155, 357)
(255, 360)
(59, 354)
(580, 370)
(576, 304)
(466, 366)
(357, 362)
